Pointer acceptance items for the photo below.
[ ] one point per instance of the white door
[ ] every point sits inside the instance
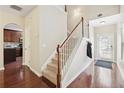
(105, 46)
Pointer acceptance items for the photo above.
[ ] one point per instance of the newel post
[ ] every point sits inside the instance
(59, 68)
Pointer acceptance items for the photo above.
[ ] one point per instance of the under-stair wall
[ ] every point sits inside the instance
(79, 63)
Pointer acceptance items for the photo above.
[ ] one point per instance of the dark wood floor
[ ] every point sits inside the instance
(17, 76)
(103, 78)
(83, 80)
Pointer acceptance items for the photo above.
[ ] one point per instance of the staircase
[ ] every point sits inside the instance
(58, 67)
(51, 71)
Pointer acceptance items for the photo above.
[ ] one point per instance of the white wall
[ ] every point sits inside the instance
(48, 28)
(122, 32)
(75, 12)
(78, 65)
(6, 18)
(122, 13)
(53, 30)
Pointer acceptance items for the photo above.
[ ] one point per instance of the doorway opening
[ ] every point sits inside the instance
(105, 42)
(13, 46)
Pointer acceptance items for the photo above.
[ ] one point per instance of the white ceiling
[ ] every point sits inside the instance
(107, 20)
(25, 9)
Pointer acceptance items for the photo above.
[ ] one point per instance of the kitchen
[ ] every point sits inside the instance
(12, 44)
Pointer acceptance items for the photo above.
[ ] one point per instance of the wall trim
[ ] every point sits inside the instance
(33, 70)
(73, 78)
(2, 68)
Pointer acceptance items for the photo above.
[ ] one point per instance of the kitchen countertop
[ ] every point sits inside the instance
(11, 47)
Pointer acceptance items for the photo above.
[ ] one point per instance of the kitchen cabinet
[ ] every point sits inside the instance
(9, 55)
(7, 36)
(18, 52)
(11, 36)
(17, 36)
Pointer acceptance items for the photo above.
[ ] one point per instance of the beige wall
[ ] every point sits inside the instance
(6, 18)
(48, 27)
(32, 24)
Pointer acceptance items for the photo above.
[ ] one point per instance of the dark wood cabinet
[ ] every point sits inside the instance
(9, 55)
(7, 36)
(11, 36)
(18, 52)
(17, 36)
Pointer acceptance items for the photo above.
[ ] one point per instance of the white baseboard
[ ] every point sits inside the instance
(2, 68)
(35, 72)
(25, 64)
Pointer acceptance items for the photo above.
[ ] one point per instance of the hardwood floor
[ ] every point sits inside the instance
(17, 76)
(103, 78)
(83, 80)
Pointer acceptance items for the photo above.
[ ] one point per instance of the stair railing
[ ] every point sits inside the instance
(64, 50)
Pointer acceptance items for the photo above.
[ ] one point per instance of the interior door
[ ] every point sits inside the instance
(105, 46)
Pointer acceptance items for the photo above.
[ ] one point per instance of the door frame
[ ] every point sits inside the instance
(113, 48)
(23, 44)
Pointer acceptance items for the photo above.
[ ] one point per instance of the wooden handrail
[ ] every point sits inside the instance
(59, 50)
(72, 32)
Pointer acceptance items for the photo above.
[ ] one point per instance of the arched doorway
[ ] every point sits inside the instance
(13, 45)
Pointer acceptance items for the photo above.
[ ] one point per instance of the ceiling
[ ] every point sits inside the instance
(25, 9)
(114, 19)
(89, 12)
